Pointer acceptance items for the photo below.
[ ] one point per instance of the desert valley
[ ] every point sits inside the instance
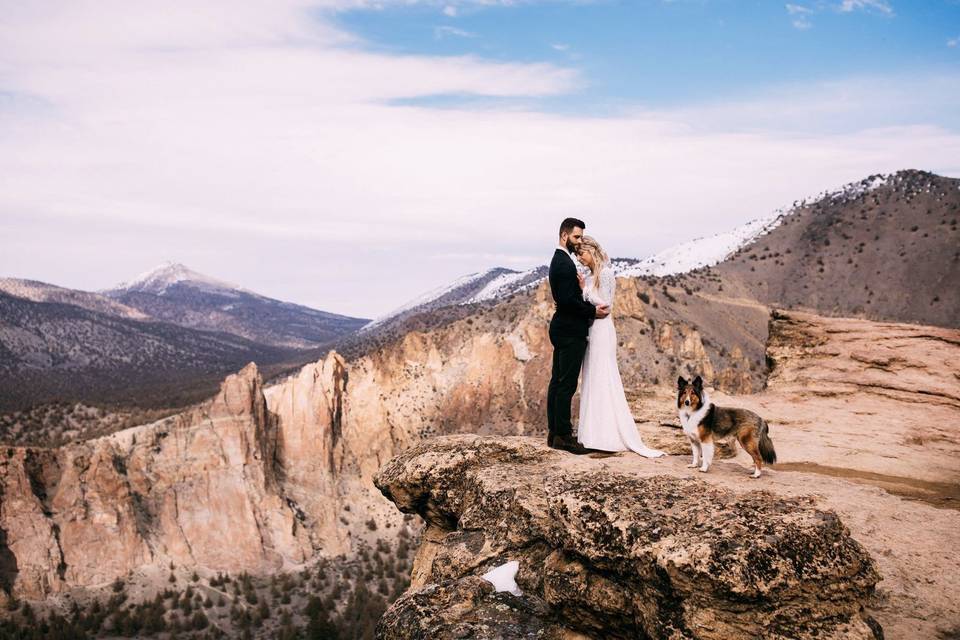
(182, 457)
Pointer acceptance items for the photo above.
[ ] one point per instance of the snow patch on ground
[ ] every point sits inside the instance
(503, 578)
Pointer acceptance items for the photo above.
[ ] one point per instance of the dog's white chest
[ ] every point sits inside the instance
(690, 420)
(688, 427)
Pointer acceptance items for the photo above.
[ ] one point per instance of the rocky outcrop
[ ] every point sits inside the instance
(686, 345)
(469, 608)
(205, 488)
(310, 412)
(844, 356)
(611, 555)
(438, 381)
(273, 468)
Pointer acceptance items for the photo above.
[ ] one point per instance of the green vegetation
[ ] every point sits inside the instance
(334, 599)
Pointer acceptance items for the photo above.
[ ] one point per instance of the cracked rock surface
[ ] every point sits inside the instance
(608, 554)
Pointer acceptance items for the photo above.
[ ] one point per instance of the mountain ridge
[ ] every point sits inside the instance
(702, 253)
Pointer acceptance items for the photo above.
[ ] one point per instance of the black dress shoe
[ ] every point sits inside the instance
(567, 443)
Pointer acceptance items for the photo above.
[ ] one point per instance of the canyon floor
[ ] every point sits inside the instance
(866, 418)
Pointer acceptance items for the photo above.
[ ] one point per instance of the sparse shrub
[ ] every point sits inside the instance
(199, 621)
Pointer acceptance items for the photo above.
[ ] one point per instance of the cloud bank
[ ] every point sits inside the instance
(266, 146)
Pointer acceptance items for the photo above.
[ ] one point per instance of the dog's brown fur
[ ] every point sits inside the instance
(750, 430)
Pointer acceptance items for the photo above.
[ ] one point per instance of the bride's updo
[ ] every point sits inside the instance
(600, 258)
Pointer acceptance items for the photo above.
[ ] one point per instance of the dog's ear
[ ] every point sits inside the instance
(698, 383)
(682, 382)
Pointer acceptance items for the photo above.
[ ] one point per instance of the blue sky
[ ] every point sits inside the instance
(662, 54)
(352, 154)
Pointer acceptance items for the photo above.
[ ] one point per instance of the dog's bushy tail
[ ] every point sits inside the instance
(766, 444)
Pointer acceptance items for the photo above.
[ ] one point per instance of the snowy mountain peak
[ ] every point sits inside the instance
(158, 279)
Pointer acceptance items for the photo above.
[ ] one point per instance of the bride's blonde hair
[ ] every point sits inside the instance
(600, 258)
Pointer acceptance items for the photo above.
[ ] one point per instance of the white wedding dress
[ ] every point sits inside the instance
(606, 422)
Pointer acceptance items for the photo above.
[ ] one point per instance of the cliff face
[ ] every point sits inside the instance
(908, 363)
(271, 469)
(487, 373)
(204, 488)
(608, 554)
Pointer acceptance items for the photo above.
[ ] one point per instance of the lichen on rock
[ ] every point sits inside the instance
(606, 554)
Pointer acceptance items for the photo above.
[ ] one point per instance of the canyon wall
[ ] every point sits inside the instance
(262, 478)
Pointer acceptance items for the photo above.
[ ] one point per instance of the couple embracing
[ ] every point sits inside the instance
(583, 336)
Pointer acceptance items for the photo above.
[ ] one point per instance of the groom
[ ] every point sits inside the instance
(568, 335)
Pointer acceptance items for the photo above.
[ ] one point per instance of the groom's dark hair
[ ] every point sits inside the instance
(569, 223)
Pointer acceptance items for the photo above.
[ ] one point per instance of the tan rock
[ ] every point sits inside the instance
(617, 556)
(199, 489)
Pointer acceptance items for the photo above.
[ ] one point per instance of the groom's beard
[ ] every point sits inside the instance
(572, 248)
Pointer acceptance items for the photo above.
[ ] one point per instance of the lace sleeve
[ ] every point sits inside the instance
(608, 286)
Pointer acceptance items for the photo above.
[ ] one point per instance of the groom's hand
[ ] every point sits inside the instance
(603, 311)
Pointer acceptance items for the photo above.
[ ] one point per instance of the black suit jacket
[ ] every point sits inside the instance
(574, 315)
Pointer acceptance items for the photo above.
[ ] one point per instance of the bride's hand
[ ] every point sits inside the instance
(580, 280)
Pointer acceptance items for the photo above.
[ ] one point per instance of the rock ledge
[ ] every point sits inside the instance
(604, 554)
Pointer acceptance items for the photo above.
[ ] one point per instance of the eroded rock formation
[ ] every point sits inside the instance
(610, 555)
(830, 356)
(204, 488)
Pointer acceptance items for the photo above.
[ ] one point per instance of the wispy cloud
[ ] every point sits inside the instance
(879, 6)
(953, 42)
(444, 31)
(560, 46)
(801, 14)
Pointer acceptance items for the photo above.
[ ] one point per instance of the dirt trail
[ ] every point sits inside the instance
(938, 494)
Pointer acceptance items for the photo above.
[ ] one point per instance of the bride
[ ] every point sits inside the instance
(606, 422)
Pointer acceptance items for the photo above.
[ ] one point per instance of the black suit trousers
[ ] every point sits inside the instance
(567, 359)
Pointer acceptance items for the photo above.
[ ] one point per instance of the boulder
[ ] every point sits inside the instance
(606, 554)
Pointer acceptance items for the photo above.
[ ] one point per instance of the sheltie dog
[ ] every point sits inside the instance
(704, 422)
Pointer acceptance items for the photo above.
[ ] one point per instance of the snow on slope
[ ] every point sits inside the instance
(158, 279)
(510, 283)
(43, 292)
(681, 258)
(507, 283)
(702, 252)
(433, 296)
